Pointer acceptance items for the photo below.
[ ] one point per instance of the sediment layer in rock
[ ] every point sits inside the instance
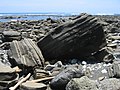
(74, 39)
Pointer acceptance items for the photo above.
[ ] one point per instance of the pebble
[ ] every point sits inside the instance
(84, 63)
(104, 71)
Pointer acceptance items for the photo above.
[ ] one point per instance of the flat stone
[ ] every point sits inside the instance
(11, 33)
(115, 37)
(33, 86)
(6, 73)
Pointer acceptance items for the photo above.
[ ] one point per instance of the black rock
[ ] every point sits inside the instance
(78, 38)
(60, 81)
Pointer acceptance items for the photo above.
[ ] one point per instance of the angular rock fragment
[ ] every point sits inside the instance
(83, 83)
(11, 35)
(74, 39)
(38, 73)
(25, 52)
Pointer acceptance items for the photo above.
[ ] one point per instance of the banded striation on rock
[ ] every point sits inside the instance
(25, 52)
(77, 38)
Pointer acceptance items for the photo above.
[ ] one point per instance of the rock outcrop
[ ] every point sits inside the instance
(77, 38)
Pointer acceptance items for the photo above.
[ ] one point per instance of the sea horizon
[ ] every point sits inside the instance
(6, 16)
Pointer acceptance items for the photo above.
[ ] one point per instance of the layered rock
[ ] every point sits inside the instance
(25, 52)
(11, 35)
(74, 39)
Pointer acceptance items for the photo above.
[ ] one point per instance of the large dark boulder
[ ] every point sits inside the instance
(77, 38)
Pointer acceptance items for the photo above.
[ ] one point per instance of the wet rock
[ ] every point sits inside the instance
(110, 84)
(83, 83)
(33, 86)
(60, 81)
(78, 38)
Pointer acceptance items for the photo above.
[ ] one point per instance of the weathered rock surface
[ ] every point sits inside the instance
(83, 83)
(74, 39)
(25, 53)
(68, 40)
(110, 84)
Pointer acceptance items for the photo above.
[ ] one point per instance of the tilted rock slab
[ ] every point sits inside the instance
(77, 38)
(25, 52)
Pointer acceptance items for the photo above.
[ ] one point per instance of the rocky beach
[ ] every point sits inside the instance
(79, 52)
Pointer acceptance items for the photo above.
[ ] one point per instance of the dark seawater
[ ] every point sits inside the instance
(32, 16)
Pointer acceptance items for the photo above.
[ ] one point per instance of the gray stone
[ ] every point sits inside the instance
(33, 86)
(83, 83)
(25, 52)
(110, 84)
(11, 35)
